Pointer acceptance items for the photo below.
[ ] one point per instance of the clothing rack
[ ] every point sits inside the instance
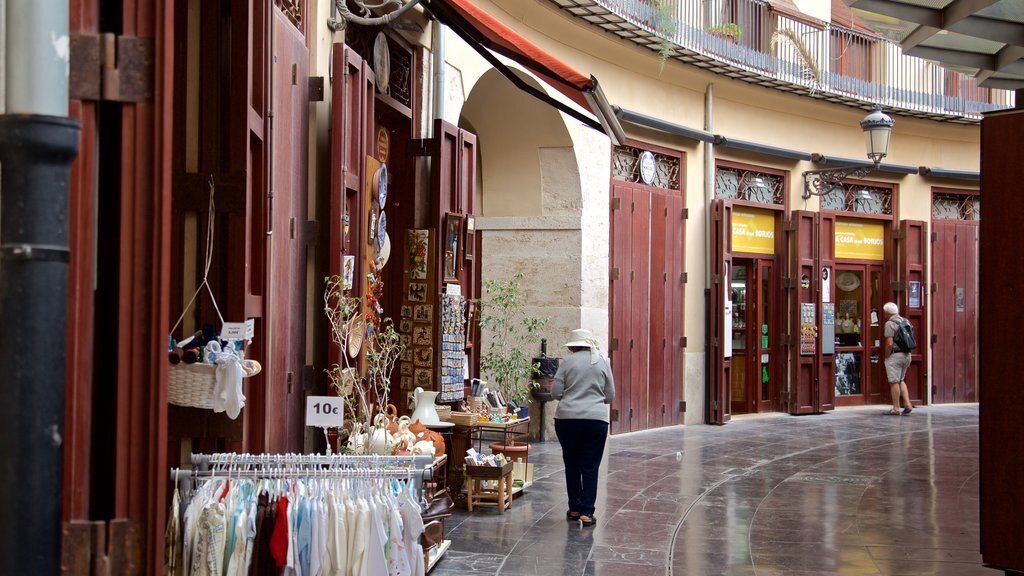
(280, 466)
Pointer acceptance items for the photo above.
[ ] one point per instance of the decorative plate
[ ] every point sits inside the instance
(356, 332)
(382, 62)
(381, 180)
(847, 281)
(382, 230)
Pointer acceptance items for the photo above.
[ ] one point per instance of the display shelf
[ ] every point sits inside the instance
(435, 555)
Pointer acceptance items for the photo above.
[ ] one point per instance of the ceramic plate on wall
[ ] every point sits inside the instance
(847, 281)
(356, 332)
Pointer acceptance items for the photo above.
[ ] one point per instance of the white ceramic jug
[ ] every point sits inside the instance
(425, 411)
(379, 440)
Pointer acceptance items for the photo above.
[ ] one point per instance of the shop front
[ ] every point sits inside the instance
(849, 260)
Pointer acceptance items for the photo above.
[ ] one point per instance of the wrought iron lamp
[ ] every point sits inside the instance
(877, 127)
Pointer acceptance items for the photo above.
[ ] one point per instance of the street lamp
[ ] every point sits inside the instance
(877, 127)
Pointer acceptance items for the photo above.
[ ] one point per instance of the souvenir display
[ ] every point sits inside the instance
(453, 342)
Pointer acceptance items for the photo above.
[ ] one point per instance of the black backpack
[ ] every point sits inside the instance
(903, 339)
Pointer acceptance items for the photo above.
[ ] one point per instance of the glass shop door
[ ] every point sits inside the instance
(752, 282)
(859, 372)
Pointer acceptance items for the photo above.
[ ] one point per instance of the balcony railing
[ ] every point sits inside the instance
(764, 46)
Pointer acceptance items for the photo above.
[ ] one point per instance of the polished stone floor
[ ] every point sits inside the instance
(849, 492)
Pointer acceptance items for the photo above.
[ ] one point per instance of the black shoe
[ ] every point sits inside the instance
(587, 520)
(907, 410)
(572, 516)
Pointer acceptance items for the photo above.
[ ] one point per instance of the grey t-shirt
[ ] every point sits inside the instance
(891, 326)
(584, 390)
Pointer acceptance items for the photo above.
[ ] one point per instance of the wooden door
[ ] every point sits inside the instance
(914, 301)
(717, 397)
(954, 312)
(666, 305)
(804, 394)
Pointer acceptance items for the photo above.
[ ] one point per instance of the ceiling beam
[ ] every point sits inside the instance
(917, 36)
(900, 11)
(954, 57)
(989, 29)
(959, 10)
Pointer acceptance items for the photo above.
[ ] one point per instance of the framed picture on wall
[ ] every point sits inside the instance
(469, 243)
(452, 239)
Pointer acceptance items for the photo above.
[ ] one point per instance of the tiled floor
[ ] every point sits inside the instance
(849, 492)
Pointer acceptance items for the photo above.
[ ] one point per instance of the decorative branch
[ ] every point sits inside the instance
(808, 64)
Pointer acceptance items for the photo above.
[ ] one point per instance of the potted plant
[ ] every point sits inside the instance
(731, 31)
(505, 362)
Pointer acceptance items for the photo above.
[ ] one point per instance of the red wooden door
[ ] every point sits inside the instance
(286, 259)
(913, 303)
(718, 393)
(825, 396)
(351, 125)
(954, 312)
(666, 304)
(646, 306)
(804, 394)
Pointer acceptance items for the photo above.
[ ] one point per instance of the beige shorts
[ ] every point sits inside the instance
(896, 367)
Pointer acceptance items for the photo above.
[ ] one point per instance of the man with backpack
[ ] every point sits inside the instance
(899, 342)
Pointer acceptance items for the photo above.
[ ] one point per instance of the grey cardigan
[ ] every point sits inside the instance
(584, 390)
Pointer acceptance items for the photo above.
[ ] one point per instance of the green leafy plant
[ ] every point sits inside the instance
(502, 315)
(730, 30)
(665, 25)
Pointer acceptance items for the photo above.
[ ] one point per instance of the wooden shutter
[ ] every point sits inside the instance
(913, 250)
(803, 394)
(718, 396)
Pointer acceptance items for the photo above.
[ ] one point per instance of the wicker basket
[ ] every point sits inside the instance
(476, 403)
(443, 412)
(462, 418)
(192, 385)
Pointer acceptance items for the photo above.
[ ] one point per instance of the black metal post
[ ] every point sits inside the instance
(36, 152)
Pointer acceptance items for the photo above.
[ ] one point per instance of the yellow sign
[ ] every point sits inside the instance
(860, 240)
(753, 230)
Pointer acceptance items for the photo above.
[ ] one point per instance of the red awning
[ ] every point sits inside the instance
(484, 33)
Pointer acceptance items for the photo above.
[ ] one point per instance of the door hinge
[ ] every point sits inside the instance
(615, 415)
(110, 67)
(683, 277)
(899, 234)
(309, 233)
(614, 274)
(935, 236)
(935, 287)
(316, 88)
(631, 414)
(789, 225)
(686, 214)
(613, 344)
(714, 404)
(682, 341)
(682, 406)
(616, 203)
(420, 146)
(788, 283)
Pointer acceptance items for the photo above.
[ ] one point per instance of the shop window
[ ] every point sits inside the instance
(626, 166)
(751, 185)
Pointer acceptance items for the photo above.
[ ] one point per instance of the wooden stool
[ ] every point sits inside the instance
(480, 496)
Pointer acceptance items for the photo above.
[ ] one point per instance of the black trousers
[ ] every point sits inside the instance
(582, 450)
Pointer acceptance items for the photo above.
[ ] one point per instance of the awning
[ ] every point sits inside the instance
(486, 34)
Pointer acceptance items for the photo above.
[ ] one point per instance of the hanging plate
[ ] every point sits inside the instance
(382, 229)
(381, 182)
(356, 332)
(847, 281)
(382, 62)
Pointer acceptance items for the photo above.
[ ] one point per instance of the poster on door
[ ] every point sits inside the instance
(753, 230)
(860, 240)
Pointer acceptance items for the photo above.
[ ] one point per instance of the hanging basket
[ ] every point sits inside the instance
(192, 385)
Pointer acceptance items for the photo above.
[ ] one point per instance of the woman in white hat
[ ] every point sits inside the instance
(584, 388)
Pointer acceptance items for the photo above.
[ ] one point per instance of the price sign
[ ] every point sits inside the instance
(325, 411)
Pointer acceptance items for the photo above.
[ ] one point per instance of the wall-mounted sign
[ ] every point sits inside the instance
(753, 230)
(914, 294)
(648, 167)
(860, 240)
